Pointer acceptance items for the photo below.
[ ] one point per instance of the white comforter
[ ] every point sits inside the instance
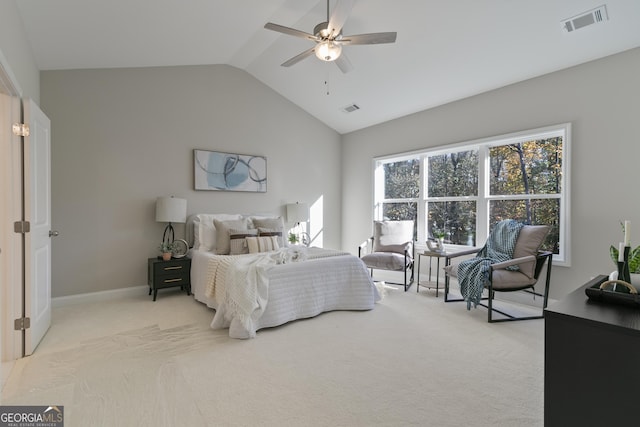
(250, 292)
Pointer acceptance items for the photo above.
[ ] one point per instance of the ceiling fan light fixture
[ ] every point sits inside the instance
(329, 39)
(328, 50)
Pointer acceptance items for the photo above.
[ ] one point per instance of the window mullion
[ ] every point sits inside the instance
(422, 195)
(482, 207)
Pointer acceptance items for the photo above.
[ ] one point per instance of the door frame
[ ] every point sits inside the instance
(11, 257)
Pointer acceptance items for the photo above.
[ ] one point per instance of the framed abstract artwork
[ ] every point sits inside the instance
(218, 171)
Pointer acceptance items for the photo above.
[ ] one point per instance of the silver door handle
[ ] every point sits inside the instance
(53, 233)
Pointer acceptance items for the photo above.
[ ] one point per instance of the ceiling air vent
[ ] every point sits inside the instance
(593, 16)
(350, 108)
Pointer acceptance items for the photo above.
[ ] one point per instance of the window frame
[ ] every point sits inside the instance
(483, 198)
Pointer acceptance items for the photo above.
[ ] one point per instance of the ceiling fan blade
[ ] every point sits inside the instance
(289, 31)
(339, 16)
(299, 57)
(343, 63)
(373, 38)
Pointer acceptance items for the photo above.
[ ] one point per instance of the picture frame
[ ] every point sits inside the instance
(221, 171)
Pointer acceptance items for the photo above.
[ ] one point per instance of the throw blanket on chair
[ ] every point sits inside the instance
(473, 274)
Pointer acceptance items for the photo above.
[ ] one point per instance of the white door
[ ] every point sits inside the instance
(38, 212)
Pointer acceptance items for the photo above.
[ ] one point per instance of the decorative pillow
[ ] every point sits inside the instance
(388, 233)
(238, 243)
(269, 232)
(530, 238)
(262, 244)
(204, 232)
(274, 224)
(222, 234)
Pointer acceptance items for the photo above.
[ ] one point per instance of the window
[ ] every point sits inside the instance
(399, 189)
(461, 191)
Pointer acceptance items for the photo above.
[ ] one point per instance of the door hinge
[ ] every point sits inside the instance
(22, 323)
(21, 227)
(21, 129)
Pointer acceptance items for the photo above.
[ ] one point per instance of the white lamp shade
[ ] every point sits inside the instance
(171, 209)
(298, 212)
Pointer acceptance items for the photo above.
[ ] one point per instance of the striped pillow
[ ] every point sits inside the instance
(237, 241)
(275, 224)
(262, 244)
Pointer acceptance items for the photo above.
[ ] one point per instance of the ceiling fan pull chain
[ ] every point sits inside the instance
(327, 80)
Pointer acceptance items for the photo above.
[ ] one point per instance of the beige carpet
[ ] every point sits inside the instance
(413, 360)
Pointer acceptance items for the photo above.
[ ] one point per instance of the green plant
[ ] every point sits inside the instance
(293, 238)
(634, 258)
(439, 233)
(165, 247)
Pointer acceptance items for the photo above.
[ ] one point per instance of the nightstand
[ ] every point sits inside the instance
(167, 274)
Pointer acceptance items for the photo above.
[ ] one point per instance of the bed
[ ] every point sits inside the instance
(253, 289)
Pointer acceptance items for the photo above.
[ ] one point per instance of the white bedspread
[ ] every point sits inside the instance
(250, 292)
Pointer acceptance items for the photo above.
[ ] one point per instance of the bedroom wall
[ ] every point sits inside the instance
(601, 101)
(123, 137)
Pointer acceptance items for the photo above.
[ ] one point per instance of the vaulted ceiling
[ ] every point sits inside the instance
(445, 50)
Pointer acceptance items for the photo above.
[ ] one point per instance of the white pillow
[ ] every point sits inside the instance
(222, 233)
(204, 231)
(262, 244)
(275, 224)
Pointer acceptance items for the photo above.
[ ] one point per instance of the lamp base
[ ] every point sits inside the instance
(168, 236)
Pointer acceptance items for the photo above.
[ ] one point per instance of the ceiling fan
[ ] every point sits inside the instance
(329, 39)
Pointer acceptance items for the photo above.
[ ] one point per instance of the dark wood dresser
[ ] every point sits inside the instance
(592, 362)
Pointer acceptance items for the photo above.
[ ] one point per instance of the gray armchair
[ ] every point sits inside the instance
(390, 248)
(530, 261)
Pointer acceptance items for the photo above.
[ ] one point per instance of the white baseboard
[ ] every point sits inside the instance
(98, 296)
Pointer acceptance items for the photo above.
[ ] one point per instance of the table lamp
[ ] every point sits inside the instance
(298, 212)
(170, 209)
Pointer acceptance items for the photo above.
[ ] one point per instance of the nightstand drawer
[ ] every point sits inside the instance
(170, 268)
(169, 280)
